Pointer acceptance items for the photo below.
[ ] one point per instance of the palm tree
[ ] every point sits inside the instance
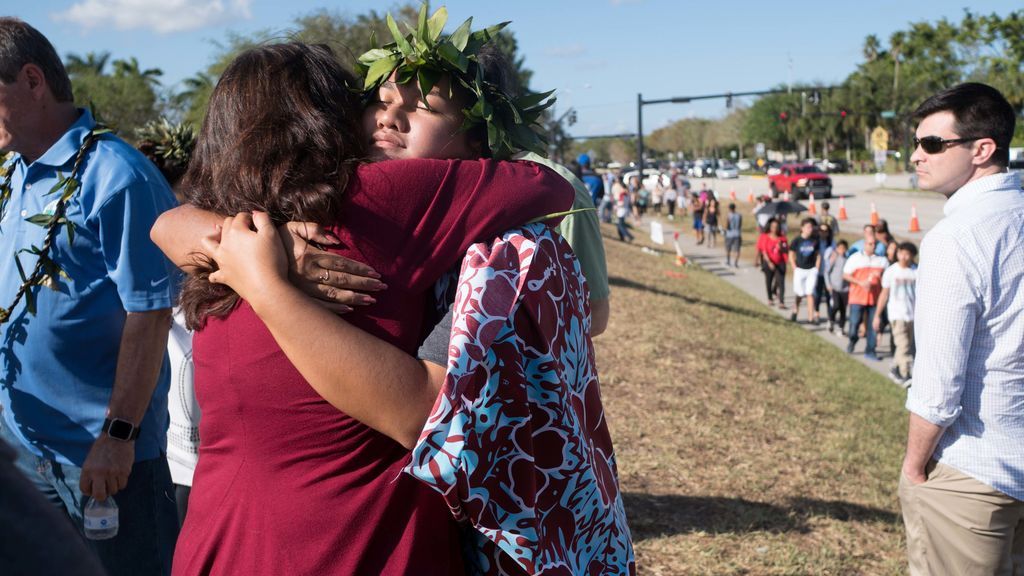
(196, 85)
(872, 47)
(92, 63)
(130, 67)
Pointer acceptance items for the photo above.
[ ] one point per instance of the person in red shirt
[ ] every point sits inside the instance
(772, 251)
(863, 270)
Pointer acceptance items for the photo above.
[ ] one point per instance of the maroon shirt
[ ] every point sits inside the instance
(287, 484)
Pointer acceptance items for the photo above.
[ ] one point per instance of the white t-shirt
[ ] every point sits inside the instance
(183, 432)
(901, 283)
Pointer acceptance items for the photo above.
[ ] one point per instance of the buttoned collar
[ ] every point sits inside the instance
(968, 194)
(64, 149)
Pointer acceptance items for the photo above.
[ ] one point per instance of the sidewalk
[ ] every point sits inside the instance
(751, 280)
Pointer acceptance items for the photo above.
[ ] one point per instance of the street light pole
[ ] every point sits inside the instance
(640, 133)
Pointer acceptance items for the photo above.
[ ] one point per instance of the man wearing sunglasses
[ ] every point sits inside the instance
(962, 484)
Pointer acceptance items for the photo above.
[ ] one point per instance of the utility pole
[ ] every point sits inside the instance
(640, 133)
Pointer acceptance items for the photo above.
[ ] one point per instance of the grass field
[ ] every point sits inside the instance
(746, 445)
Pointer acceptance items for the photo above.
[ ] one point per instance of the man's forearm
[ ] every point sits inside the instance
(179, 233)
(922, 438)
(143, 344)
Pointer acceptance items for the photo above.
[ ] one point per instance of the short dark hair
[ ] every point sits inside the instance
(843, 243)
(980, 110)
(909, 247)
(807, 221)
(825, 205)
(21, 44)
(732, 206)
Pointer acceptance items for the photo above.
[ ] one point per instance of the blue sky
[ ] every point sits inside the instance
(598, 54)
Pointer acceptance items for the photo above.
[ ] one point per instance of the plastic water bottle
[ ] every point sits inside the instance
(100, 519)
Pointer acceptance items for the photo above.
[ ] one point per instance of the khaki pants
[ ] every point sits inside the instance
(903, 334)
(957, 525)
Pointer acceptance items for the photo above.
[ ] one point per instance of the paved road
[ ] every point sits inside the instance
(894, 202)
(751, 280)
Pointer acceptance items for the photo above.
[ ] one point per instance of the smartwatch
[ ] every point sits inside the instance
(120, 429)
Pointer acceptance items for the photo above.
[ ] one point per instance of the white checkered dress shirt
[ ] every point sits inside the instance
(969, 327)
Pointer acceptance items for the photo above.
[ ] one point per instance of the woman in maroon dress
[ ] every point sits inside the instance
(287, 484)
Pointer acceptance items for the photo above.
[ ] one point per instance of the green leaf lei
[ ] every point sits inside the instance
(46, 269)
(423, 56)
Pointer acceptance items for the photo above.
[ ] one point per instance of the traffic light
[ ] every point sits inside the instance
(783, 116)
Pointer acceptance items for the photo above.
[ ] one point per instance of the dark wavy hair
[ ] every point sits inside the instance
(282, 135)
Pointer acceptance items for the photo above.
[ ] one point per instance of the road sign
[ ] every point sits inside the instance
(879, 139)
(759, 148)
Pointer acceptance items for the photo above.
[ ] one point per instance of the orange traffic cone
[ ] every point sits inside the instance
(732, 194)
(874, 215)
(915, 225)
(750, 196)
(842, 210)
(680, 259)
(811, 208)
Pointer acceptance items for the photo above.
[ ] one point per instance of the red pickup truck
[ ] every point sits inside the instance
(800, 180)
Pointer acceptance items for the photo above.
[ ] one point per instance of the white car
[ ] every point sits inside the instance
(726, 171)
(743, 164)
(651, 176)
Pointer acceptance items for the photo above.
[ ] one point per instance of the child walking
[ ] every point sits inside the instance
(898, 291)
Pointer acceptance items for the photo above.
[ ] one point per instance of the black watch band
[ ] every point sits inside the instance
(120, 429)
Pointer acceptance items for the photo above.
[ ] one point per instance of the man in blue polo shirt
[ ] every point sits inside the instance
(83, 379)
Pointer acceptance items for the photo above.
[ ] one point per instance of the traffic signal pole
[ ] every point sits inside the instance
(640, 103)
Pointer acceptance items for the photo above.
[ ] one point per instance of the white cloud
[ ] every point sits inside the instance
(565, 51)
(161, 16)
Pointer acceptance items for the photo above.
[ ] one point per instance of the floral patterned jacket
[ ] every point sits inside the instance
(517, 442)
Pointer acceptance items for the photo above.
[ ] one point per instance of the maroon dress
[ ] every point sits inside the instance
(287, 484)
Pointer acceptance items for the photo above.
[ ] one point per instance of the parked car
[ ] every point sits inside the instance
(832, 165)
(727, 171)
(800, 180)
(702, 168)
(743, 164)
(650, 179)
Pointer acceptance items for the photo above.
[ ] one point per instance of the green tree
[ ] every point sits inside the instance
(93, 62)
(124, 100)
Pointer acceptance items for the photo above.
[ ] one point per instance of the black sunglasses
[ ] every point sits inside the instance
(935, 144)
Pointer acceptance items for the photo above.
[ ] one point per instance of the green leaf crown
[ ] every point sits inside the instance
(171, 142)
(424, 56)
